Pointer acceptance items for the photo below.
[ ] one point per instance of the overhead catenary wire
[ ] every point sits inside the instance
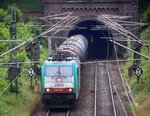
(137, 40)
(117, 27)
(70, 22)
(54, 27)
(119, 60)
(54, 15)
(130, 49)
(11, 40)
(35, 62)
(119, 44)
(4, 59)
(66, 18)
(124, 40)
(130, 22)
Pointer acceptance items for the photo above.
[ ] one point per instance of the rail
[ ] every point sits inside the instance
(111, 91)
(51, 113)
(95, 95)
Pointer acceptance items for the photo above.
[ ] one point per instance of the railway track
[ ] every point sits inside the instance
(119, 93)
(58, 113)
(104, 99)
(97, 95)
(111, 91)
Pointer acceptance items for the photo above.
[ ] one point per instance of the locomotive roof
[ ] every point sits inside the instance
(52, 60)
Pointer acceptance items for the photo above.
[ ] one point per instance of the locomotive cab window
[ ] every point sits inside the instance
(52, 71)
(65, 71)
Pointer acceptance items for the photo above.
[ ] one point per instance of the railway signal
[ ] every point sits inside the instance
(33, 50)
(137, 48)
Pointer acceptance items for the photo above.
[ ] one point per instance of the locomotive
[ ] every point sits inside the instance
(60, 80)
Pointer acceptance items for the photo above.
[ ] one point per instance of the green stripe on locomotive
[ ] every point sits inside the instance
(76, 78)
(75, 74)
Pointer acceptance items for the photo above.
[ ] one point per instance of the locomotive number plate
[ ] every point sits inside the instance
(59, 85)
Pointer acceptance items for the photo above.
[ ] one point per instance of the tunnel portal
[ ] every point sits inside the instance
(99, 45)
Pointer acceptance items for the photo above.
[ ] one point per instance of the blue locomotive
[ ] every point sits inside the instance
(60, 82)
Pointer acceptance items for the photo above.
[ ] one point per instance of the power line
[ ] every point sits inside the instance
(11, 40)
(130, 49)
(20, 63)
(55, 27)
(4, 59)
(117, 27)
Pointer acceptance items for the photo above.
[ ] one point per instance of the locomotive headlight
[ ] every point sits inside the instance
(47, 90)
(70, 90)
(59, 80)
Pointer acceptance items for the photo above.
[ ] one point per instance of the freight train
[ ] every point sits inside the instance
(60, 80)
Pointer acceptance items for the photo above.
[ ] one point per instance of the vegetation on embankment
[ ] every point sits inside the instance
(142, 90)
(21, 104)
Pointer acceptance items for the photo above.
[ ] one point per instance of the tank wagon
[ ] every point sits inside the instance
(60, 79)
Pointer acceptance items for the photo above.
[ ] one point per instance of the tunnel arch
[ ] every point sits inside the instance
(99, 46)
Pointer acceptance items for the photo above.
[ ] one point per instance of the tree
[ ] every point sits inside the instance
(18, 12)
(4, 16)
(146, 17)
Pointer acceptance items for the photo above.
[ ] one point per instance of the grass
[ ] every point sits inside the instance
(20, 106)
(141, 91)
(12, 104)
(144, 104)
(23, 103)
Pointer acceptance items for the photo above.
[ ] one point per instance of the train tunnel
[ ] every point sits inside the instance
(99, 46)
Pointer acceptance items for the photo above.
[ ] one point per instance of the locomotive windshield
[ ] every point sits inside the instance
(59, 71)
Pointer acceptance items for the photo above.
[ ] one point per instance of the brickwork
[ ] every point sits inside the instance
(118, 7)
(87, 9)
(27, 14)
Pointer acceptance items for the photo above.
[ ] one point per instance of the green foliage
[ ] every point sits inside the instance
(18, 12)
(22, 104)
(144, 85)
(4, 35)
(4, 16)
(146, 17)
(145, 35)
